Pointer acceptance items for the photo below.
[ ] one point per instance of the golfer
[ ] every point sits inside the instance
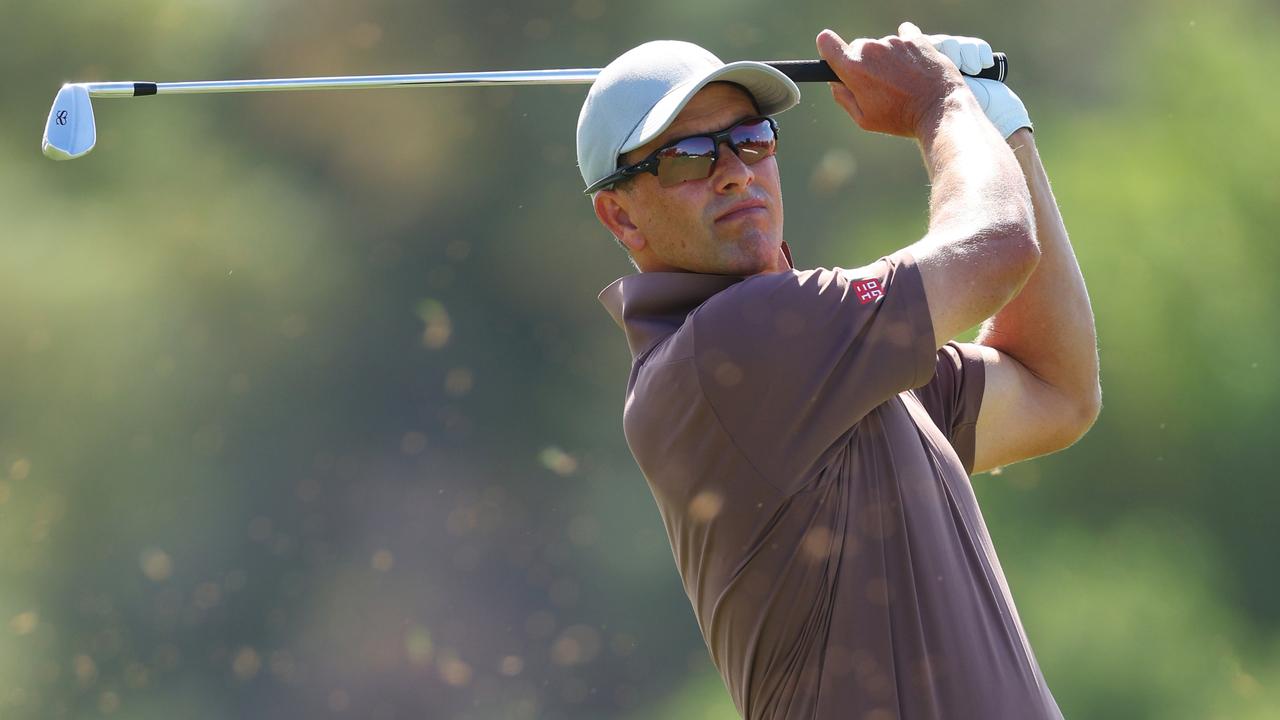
(808, 434)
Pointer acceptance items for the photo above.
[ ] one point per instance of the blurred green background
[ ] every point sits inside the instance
(308, 407)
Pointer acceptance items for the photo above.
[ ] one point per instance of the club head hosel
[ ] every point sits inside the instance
(118, 89)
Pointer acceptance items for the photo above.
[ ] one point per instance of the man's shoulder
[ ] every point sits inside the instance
(811, 281)
(756, 288)
(772, 303)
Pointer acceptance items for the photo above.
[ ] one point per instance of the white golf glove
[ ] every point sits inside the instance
(1003, 108)
(968, 53)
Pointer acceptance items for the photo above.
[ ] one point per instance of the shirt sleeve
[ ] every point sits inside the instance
(791, 361)
(953, 396)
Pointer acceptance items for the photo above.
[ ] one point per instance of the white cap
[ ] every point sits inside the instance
(637, 96)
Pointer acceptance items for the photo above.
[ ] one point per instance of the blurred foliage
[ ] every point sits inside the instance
(307, 407)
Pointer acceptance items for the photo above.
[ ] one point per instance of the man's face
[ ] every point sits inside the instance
(729, 223)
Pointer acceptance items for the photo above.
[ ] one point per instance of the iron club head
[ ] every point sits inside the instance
(69, 132)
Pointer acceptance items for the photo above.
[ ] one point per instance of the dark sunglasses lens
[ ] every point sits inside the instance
(754, 141)
(689, 159)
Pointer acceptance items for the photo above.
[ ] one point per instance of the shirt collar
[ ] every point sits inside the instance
(650, 306)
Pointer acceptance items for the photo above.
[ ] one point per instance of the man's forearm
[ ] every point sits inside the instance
(1048, 326)
(981, 244)
(975, 180)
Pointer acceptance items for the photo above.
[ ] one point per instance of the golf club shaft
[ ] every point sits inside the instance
(70, 131)
(797, 70)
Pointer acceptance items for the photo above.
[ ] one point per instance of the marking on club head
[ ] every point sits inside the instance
(69, 132)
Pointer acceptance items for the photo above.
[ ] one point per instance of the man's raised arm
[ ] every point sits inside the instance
(1042, 388)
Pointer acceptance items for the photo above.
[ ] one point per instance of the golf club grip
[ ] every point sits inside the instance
(820, 71)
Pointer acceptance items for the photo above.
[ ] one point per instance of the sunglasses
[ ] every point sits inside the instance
(693, 158)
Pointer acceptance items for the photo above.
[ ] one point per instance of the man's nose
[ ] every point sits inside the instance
(730, 171)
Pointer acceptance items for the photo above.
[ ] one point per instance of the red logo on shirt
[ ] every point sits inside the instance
(868, 290)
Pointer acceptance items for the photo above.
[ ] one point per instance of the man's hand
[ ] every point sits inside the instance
(894, 85)
(1003, 108)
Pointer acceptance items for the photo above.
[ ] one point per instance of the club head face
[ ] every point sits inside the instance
(69, 132)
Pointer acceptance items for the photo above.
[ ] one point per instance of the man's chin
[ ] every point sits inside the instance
(762, 254)
(759, 264)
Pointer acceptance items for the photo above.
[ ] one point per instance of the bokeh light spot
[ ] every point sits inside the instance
(833, 172)
(511, 665)
(85, 669)
(705, 506)
(1245, 685)
(156, 564)
(136, 675)
(108, 702)
(20, 469)
(246, 664)
(417, 645)
(24, 623)
(576, 645)
(206, 596)
(454, 671)
(462, 520)
(436, 325)
(558, 461)
(413, 443)
(817, 543)
(458, 382)
(728, 374)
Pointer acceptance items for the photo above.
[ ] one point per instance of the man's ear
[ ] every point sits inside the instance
(611, 208)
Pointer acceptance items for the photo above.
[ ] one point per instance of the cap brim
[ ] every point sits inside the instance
(773, 92)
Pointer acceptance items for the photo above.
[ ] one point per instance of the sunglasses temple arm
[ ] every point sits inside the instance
(819, 71)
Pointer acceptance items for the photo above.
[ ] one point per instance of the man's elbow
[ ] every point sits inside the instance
(1019, 253)
(1079, 418)
(1091, 407)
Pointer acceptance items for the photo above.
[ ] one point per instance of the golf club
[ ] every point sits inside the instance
(70, 131)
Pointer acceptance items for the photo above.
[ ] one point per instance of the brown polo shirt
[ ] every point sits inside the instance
(809, 448)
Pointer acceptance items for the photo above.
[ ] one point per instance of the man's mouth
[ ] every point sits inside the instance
(746, 208)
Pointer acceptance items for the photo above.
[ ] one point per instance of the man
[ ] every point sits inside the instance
(808, 434)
